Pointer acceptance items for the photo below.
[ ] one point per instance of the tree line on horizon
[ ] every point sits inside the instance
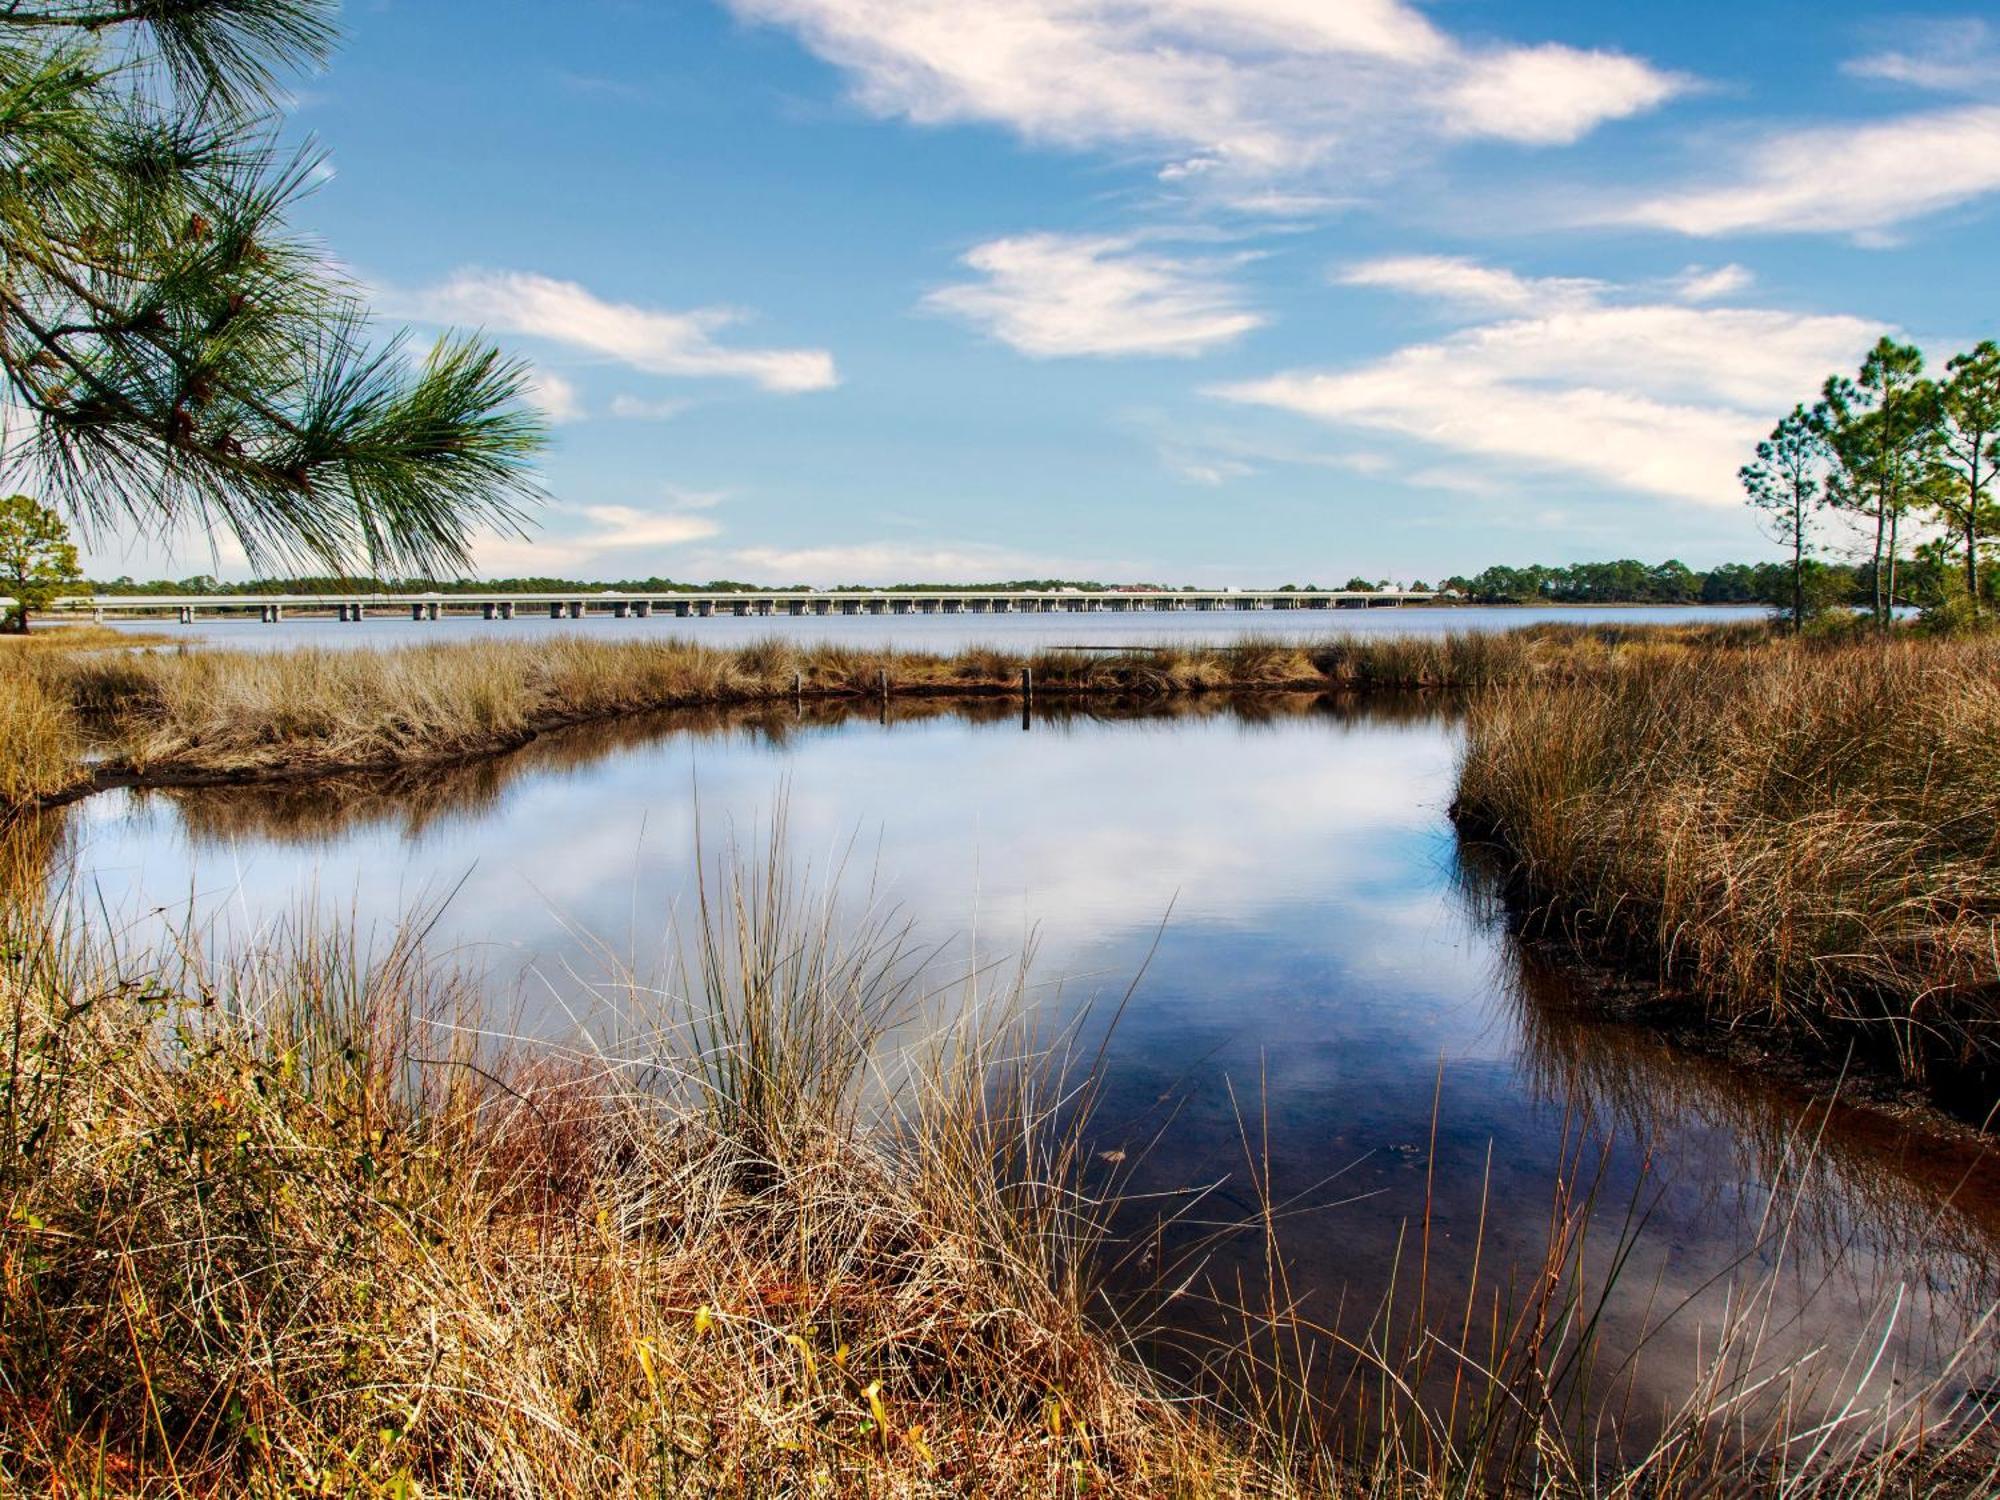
(1624, 581)
(1889, 450)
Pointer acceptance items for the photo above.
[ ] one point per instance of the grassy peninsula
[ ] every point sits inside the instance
(1805, 836)
(76, 718)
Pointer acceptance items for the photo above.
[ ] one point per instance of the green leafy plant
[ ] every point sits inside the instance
(36, 558)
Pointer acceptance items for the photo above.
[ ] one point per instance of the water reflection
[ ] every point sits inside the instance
(1335, 986)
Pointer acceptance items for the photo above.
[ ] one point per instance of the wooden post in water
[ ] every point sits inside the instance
(1027, 698)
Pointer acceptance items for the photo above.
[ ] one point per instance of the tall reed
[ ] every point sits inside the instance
(1806, 837)
(230, 714)
(295, 1217)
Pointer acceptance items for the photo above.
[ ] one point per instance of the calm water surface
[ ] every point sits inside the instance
(928, 632)
(1329, 974)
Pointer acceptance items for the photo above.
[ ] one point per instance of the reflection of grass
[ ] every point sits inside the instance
(254, 715)
(294, 1221)
(412, 799)
(1809, 837)
(279, 1224)
(1902, 1203)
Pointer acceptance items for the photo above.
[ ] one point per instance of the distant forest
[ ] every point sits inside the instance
(1623, 582)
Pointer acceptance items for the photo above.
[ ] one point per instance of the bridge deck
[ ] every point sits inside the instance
(708, 603)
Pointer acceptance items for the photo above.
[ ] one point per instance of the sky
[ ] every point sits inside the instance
(1222, 292)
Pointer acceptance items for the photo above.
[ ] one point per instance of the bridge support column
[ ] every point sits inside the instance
(576, 609)
(741, 608)
(621, 610)
(642, 609)
(357, 611)
(187, 615)
(705, 608)
(555, 611)
(416, 612)
(433, 610)
(489, 610)
(506, 609)
(682, 609)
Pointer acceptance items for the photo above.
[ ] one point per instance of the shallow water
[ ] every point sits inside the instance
(1322, 974)
(929, 632)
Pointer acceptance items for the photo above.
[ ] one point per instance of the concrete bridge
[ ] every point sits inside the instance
(187, 608)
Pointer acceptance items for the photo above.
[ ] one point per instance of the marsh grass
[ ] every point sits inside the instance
(298, 1217)
(1806, 837)
(192, 714)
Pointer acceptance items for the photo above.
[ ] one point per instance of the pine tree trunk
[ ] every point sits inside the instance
(1889, 606)
(1881, 527)
(1972, 539)
(1798, 573)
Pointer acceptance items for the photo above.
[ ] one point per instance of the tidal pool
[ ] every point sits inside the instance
(1330, 1013)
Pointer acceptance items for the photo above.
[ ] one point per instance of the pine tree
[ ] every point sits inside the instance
(1968, 454)
(172, 353)
(1881, 429)
(1786, 484)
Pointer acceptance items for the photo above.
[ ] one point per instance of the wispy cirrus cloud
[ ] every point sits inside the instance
(1469, 285)
(1251, 88)
(627, 536)
(1612, 388)
(1947, 57)
(880, 562)
(1057, 296)
(654, 340)
(1838, 179)
(646, 409)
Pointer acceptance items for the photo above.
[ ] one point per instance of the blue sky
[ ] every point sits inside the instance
(1215, 291)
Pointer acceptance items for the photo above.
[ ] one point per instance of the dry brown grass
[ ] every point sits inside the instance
(293, 1221)
(190, 714)
(287, 1224)
(1807, 836)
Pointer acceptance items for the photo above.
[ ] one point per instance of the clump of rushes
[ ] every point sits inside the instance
(224, 714)
(292, 1221)
(1808, 837)
(41, 746)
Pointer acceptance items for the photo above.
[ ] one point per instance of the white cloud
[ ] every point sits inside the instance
(1552, 96)
(1948, 57)
(622, 526)
(892, 562)
(1057, 296)
(1647, 397)
(1857, 179)
(556, 396)
(1208, 468)
(1711, 284)
(608, 533)
(1246, 87)
(1468, 284)
(640, 409)
(649, 339)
